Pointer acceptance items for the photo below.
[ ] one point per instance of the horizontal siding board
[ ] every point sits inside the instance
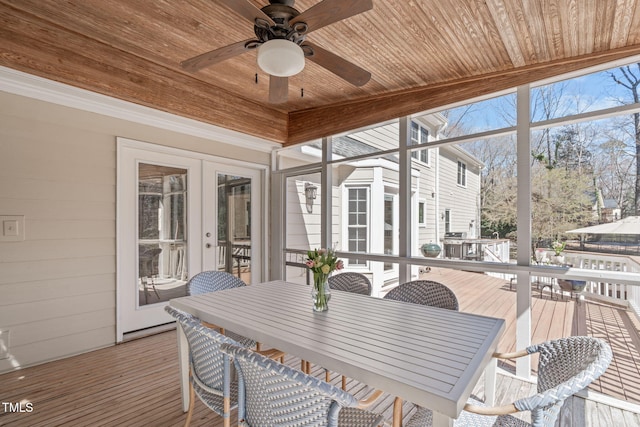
(54, 210)
(73, 188)
(56, 308)
(60, 327)
(58, 348)
(70, 229)
(41, 249)
(42, 270)
(43, 290)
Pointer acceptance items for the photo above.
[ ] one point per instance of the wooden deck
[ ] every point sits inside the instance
(556, 317)
(136, 383)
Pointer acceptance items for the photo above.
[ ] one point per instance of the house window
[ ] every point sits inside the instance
(422, 214)
(462, 173)
(389, 228)
(447, 220)
(419, 135)
(357, 223)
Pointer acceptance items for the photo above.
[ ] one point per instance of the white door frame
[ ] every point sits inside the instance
(209, 208)
(130, 154)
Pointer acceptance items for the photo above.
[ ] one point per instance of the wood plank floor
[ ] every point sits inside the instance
(555, 317)
(136, 383)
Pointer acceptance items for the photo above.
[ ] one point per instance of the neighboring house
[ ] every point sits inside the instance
(605, 210)
(445, 193)
(610, 211)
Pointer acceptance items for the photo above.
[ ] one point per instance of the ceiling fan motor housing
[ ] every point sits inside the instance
(281, 12)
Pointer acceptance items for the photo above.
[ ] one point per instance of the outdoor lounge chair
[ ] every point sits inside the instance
(565, 366)
(425, 292)
(210, 377)
(272, 394)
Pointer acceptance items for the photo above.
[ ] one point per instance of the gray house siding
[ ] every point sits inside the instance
(58, 169)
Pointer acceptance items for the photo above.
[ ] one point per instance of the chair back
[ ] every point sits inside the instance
(210, 367)
(211, 281)
(350, 282)
(425, 292)
(565, 366)
(272, 394)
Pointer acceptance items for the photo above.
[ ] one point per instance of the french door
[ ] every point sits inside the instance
(180, 213)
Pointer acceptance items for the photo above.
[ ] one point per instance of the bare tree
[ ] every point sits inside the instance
(629, 78)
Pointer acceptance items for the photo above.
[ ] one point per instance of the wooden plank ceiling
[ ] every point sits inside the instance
(421, 54)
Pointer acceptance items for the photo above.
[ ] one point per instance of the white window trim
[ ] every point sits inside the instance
(345, 223)
(423, 223)
(463, 185)
(418, 152)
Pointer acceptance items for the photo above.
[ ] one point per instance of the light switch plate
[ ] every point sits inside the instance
(12, 228)
(4, 343)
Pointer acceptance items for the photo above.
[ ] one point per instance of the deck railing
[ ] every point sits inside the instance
(599, 261)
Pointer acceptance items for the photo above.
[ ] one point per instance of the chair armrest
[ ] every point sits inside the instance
(363, 403)
(212, 326)
(513, 355)
(491, 410)
(271, 353)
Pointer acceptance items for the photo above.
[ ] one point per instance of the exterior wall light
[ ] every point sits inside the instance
(310, 194)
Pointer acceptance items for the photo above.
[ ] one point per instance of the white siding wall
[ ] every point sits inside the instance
(58, 168)
(462, 201)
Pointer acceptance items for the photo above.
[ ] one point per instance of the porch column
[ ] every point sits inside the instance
(523, 288)
(326, 225)
(404, 240)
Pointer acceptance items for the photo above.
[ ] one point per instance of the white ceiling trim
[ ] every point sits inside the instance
(24, 84)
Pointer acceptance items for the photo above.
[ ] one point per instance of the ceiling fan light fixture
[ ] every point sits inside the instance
(280, 58)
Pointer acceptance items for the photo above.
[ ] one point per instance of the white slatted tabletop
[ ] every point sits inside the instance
(429, 356)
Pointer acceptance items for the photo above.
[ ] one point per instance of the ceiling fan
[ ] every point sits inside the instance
(282, 43)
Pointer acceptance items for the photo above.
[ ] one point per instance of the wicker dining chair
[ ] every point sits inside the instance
(565, 366)
(272, 394)
(350, 281)
(425, 292)
(212, 281)
(210, 368)
(353, 282)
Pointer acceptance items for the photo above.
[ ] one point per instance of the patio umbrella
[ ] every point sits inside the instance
(629, 225)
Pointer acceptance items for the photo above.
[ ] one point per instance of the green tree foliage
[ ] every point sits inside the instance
(562, 198)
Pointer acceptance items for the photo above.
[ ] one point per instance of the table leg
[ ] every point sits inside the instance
(440, 420)
(397, 412)
(490, 382)
(183, 356)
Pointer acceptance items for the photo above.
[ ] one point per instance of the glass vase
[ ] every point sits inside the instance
(320, 292)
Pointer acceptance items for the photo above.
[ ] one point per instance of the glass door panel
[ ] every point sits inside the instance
(232, 221)
(234, 225)
(162, 237)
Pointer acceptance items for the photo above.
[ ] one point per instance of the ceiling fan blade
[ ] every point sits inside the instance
(213, 57)
(329, 11)
(278, 89)
(339, 66)
(247, 10)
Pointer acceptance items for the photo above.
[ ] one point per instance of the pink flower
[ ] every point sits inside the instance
(310, 263)
(339, 265)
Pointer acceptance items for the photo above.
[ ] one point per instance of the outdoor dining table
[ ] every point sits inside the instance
(426, 355)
